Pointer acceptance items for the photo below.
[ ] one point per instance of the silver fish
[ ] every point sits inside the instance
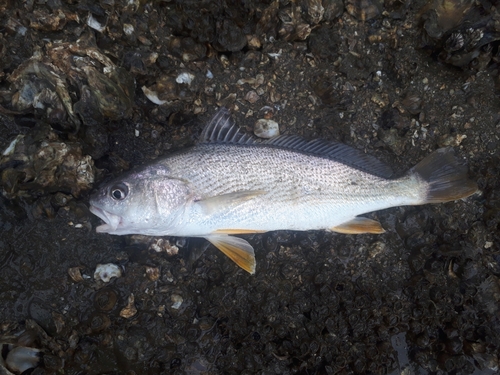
(230, 183)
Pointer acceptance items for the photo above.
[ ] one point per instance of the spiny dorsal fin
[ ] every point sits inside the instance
(223, 129)
(334, 151)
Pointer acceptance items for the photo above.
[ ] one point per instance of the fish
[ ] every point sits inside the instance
(231, 183)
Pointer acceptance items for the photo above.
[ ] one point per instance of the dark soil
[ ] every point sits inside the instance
(422, 298)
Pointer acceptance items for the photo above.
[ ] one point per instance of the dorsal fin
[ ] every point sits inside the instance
(222, 128)
(334, 151)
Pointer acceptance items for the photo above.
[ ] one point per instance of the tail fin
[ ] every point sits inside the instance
(446, 176)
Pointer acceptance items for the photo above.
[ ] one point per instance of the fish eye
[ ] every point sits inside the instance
(119, 191)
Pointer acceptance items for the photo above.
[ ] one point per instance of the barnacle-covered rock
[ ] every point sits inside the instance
(64, 80)
(315, 10)
(460, 32)
(293, 27)
(40, 163)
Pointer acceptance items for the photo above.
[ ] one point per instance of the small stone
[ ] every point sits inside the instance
(251, 96)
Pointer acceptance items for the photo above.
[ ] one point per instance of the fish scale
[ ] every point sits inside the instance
(230, 184)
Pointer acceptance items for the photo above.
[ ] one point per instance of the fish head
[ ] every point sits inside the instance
(140, 203)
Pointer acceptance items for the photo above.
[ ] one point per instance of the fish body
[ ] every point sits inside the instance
(231, 184)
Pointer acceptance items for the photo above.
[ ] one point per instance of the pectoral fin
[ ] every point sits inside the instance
(212, 204)
(237, 249)
(359, 225)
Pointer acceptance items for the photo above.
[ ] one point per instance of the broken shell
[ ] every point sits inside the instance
(412, 103)
(315, 10)
(20, 358)
(266, 112)
(162, 245)
(95, 24)
(105, 272)
(364, 10)
(177, 301)
(75, 274)
(333, 9)
(153, 273)
(266, 128)
(105, 299)
(41, 161)
(99, 322)
(185, 78)
(130, 310)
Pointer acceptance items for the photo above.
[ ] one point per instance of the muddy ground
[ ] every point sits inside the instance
(396, 80)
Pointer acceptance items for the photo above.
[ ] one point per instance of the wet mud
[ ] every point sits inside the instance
(90, 89)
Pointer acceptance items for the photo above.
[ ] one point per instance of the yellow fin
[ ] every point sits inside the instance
(359, 225)
(238, 231)
(212, 204)
(237, 249)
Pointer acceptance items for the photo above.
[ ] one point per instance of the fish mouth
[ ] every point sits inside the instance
(112, 221)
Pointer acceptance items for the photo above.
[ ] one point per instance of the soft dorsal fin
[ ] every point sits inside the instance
(222, 128)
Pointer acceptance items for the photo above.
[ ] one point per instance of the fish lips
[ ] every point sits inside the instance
(112, 221)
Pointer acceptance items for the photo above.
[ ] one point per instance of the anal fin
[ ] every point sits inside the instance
(237, 249)
(359, 225)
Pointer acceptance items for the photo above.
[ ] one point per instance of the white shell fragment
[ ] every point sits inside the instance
(22, 358)
(93, 23)
(105, 272)
(10, 149)
(177, 301)
(266, 128)
(185, 78)
(128, 29)
(153, 96)
(162, 245)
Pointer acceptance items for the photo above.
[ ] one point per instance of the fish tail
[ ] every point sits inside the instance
(445, 175)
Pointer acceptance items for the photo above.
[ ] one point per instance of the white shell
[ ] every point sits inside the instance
(21, 359)
(153, 96)
(177, 301)
(186, 78)
(105, 272)
(93, 23)
(10, 149)
(265, 128)
(128, 29)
